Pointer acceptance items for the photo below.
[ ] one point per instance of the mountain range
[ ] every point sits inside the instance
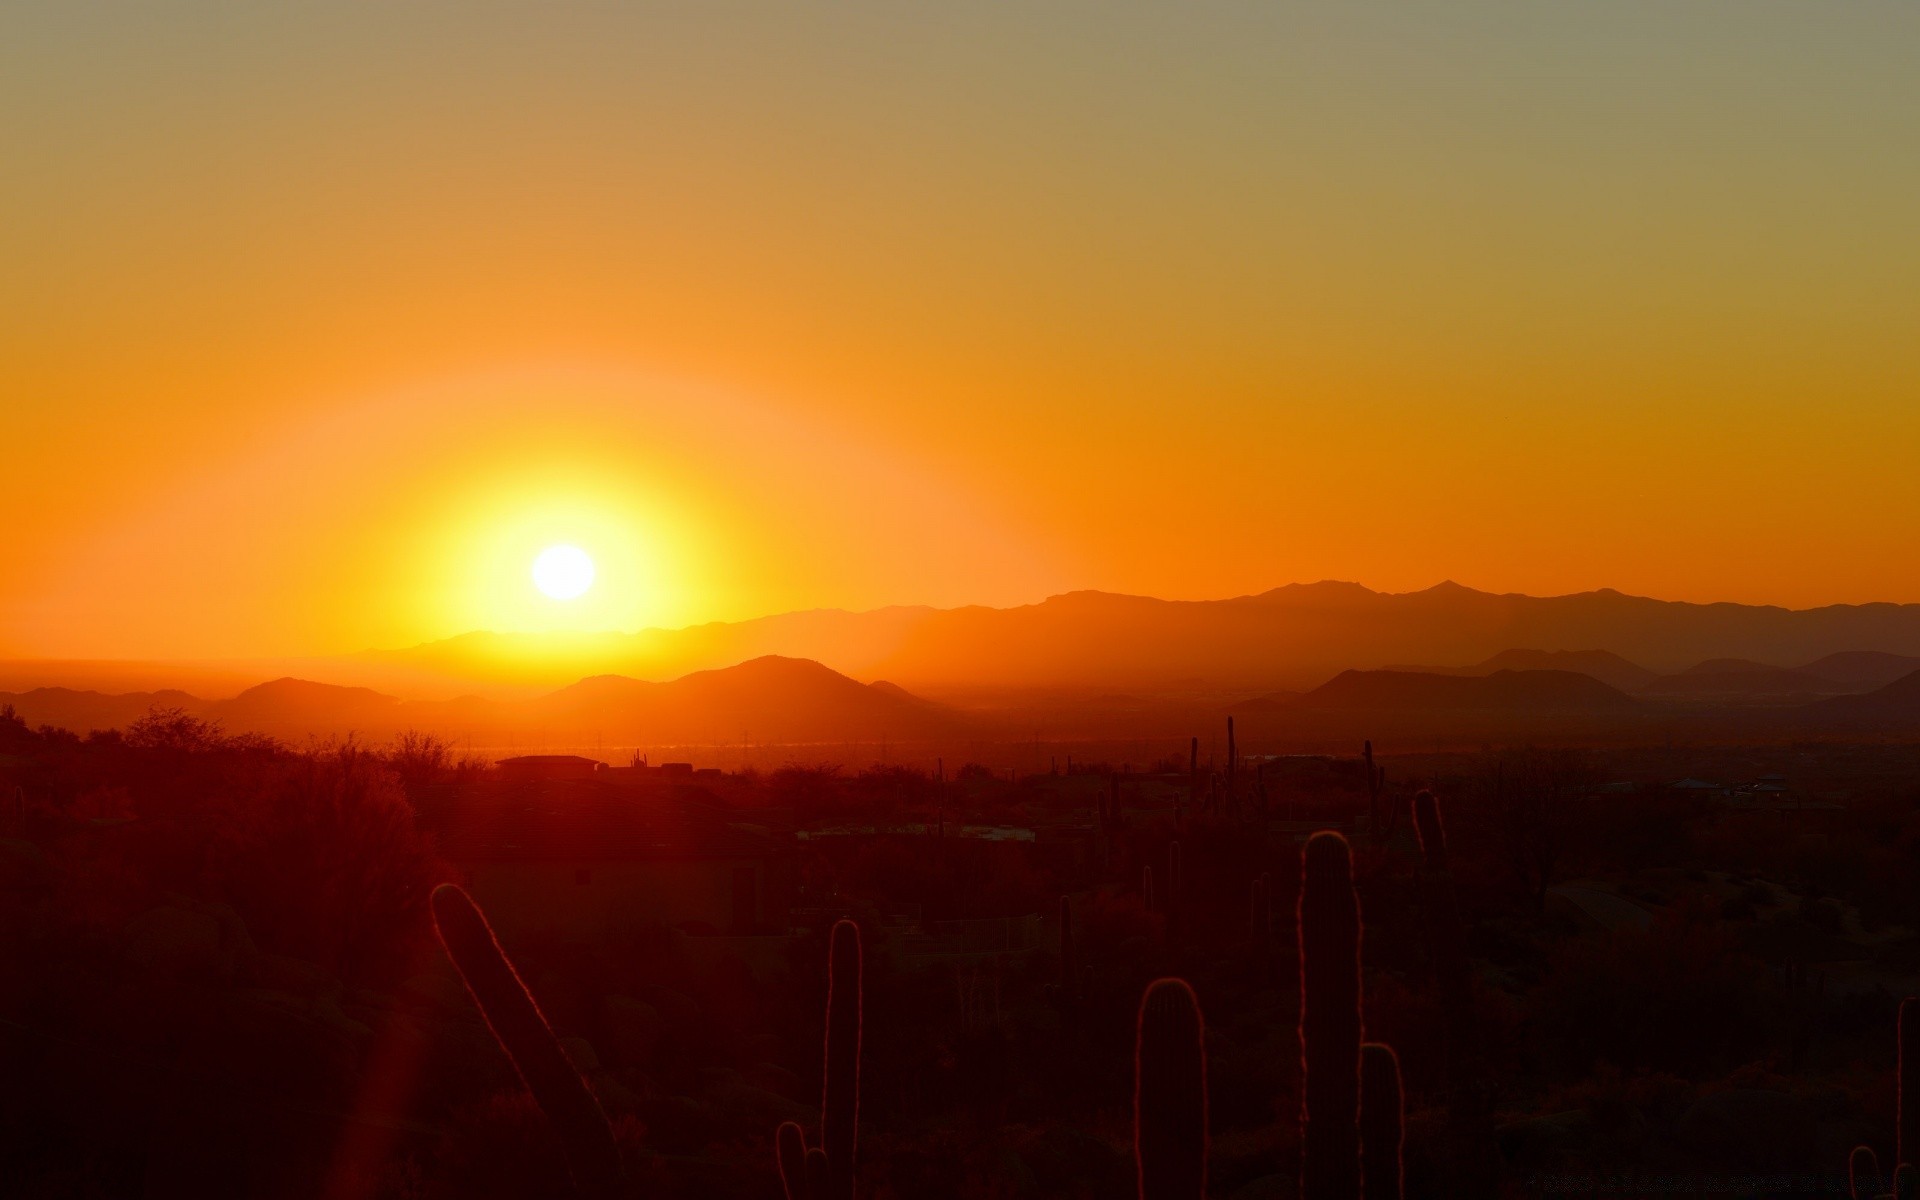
(773, 701)
(1293, 637)
(1300, 658)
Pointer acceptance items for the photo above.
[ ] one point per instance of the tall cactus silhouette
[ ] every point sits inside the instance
(826, 1171)
(1376, 782)
(1468, 1089)
(1071, 988)
(1907, 1112)
(1433, 837)
(1170, 1094)
(1863, 1168)
(1445, 934)
(1174, 903)
(1381, 1112)
(1373, 795)
(516, 1022)
(1067, 967)
(1233, 758)
(1329, 916)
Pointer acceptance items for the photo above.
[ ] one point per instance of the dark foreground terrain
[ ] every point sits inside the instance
(1638, 971)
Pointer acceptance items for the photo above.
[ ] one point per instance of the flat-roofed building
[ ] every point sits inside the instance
(549, 766)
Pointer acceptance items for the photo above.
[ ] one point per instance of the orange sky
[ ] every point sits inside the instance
(317, 321)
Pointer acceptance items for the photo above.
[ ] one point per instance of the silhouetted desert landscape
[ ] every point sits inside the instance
(1258, 600)
(1617, 917)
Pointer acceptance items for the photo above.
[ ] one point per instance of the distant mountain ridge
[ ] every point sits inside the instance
(1295, 637)
(1288, 638)
(1095, 662)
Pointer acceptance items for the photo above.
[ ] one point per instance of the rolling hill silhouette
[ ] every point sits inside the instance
(1863, 670)
(67, 708)
(1742, 680)
(1515, 692)
(1898, 701)
(1607, 667)
(766, 699)
(291, 707)
(770, 699)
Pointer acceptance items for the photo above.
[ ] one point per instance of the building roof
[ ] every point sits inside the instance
(588, 821)
(550, 760)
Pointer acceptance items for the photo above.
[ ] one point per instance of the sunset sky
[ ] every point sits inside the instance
(319, 320)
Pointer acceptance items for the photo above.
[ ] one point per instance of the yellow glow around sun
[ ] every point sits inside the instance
(563, 572)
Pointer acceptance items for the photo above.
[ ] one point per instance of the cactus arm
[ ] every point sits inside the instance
(1863, 1174)
(818, 1174)
(790, 1151)
(516, 1022)
(1381, 1120)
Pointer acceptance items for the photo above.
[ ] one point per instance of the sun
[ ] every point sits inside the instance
(563, 572)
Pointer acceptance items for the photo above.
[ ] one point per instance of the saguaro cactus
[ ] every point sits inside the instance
(826, 1171)
(1071, 980)
(1329, 916)
(1805, 992)
(1233, 757)
(1381, 1109)
(1376, 782)
(1170, 1094)
(1907, 1114)
(1469, 1110)
(1066, 942)
(1445, 935)
(517, 1023)
(1433, 837)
